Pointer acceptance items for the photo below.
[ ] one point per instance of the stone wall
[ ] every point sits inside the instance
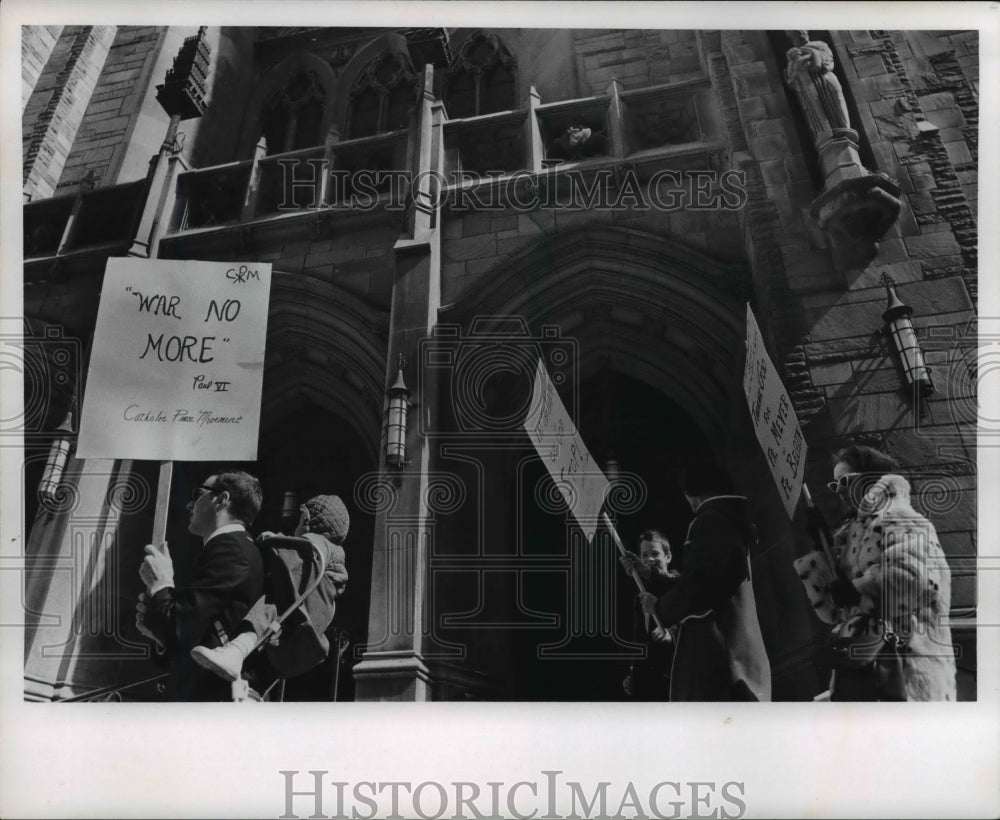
(37, 43)
(636, 57)
(56, 108)
(357, 261)
(110, 115)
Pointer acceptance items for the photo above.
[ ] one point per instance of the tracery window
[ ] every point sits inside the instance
(382, 96)
(293, 117)
(482, 78)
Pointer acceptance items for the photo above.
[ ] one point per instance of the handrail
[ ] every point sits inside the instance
(108, 690)
(486, 119)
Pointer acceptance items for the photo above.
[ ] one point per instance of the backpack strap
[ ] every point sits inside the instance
(320, 562)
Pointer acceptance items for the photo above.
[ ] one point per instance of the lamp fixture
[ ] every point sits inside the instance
(55, 464)
(395, 424)
(900, 330)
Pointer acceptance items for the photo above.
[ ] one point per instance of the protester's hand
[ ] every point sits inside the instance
(157, 570)
(140, 621)
(272, 633)
(817, 527)
(630, 561)
(844, 593)
(660, 635)
(648, 602)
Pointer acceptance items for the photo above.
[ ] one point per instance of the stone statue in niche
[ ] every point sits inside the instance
(578, 142)
(810, 73)
(856, 207)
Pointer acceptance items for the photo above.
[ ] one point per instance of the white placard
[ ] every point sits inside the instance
(774, 418)
(552, 431)
(177, 361)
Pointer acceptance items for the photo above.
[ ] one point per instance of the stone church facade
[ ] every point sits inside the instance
(444, 206)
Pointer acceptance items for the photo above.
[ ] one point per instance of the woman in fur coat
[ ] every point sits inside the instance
(890, 571)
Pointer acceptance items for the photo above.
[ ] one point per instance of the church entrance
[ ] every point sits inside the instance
(638, 437)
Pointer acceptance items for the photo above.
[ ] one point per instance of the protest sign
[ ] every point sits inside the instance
(177, 361)
(773, 418)
(550, 428)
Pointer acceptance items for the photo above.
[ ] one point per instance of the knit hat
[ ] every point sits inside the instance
(328, 517)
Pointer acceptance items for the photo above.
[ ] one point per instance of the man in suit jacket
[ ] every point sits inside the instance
(226, 579)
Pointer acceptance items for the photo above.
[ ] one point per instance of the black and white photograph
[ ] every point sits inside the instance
(603, 388)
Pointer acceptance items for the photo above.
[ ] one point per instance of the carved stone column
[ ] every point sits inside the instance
(393, 666)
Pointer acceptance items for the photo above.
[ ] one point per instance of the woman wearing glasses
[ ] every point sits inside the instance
(891, 584)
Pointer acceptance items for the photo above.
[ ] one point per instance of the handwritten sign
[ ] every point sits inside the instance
(774, 419)
(550, 428)
(177, 361)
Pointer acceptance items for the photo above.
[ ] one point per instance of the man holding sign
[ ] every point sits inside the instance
(720, 652)
(225, 581)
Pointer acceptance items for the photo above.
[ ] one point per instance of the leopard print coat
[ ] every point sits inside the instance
(892, 556)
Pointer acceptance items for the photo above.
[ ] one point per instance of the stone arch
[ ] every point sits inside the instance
(390, 43)
(327, 347)
(277, 78)
(673, 319)
(482, 77)
(643, 304)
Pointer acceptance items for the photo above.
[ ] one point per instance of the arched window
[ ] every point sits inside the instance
(482, 78)
(382, 96)
(293, 117)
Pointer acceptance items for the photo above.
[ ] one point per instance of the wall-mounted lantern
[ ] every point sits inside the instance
(612, 468)
(288, 506)
(55, 464)
(899, 328)
(395, 424)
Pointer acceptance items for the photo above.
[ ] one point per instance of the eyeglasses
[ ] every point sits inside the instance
(842, 482)
(201, 490)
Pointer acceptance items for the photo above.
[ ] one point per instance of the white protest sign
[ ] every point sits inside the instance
(177, 361)
(774, 419)
(550, 428)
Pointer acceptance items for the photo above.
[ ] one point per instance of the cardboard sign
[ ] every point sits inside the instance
(177, 361)
(550, 428)
(777, 427)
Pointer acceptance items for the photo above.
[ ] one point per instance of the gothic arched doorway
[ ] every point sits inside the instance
(313, 452)
(654, 338)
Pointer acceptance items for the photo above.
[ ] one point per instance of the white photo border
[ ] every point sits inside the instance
(794, 759)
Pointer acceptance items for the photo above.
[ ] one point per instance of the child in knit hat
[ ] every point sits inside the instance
(324, 521)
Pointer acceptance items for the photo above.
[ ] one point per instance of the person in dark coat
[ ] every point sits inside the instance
(225, 580)
(300, 643)
(719, 653)
(649, 677)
